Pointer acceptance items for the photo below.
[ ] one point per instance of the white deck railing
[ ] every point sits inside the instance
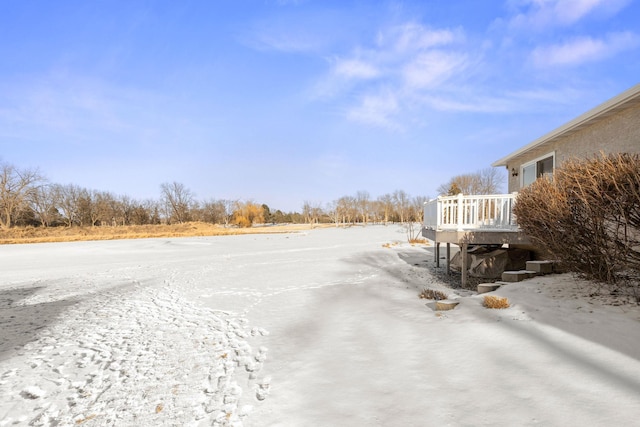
(478, 212)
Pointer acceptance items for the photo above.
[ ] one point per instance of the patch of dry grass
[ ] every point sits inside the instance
(418, 241)
(433, 294)
(18, 235)
(493, 301)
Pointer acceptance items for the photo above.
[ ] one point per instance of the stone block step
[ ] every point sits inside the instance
(446, 304)
(517, 276)
(487, 287)
(540, 267)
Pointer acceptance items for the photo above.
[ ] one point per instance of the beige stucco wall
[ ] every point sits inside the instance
(618, 133)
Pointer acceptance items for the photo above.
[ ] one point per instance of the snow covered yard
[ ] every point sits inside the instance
(323, 327)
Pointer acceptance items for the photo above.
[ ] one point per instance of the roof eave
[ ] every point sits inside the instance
(612, 104)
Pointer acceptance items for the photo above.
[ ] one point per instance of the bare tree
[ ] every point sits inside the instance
(306, 211)
(85, 207)
(485, 181)
(402, 205)
(127, 205)
(385, 207)
(43, 203)
(316, 212)
(417, 208)
(228, 208)
(347, 209)
(311, 211)
(16, 185)
(68, 197)
(363, 202)
(211, 211)
(334, 212)
(146, 212)
(116, 212)
(413, 225)
(178, 201)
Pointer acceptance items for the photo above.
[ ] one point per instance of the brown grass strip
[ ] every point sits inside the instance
(18, 235)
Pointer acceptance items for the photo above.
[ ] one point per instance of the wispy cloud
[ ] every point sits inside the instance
(542, 14)
(410, 69)
(377, 109)
(356, 68)
(432, 68)
(389, 73)
(472, 103)
(289, 2)
(61, 103)
(283, 42)
(584, 49)
(411, 37)
(84, 109)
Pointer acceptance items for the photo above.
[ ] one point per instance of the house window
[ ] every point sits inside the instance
(542, 166)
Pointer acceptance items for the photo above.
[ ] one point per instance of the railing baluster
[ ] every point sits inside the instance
(461, 212)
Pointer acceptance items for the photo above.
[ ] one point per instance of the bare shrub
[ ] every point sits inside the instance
(588, 216)
(248, 213)
(492, 301)
(433, 294)
(414, 232)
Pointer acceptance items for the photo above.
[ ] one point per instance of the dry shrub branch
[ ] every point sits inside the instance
(433, 294)
(495, 302)
(588, 217)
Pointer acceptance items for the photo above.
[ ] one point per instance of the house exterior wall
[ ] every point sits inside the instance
(617, 133)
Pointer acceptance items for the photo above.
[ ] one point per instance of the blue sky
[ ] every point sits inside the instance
(282, 101)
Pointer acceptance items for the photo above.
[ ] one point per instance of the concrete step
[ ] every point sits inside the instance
(540, 267)
(487, 287)
(446, 304)
(517, 276)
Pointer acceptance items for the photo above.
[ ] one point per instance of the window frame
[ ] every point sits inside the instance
(534, 162)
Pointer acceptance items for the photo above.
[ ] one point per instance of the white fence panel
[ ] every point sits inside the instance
(475, 212)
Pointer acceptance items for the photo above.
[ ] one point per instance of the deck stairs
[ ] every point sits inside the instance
(533, 268)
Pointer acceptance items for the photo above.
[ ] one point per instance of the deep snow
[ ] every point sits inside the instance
(322, 327)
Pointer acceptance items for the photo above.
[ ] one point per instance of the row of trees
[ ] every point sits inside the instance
(362, 208)
(26, 198)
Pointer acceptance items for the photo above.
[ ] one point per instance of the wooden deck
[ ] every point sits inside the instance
(471, 220)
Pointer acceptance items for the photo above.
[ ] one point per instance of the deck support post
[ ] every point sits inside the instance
(465, 267)
(448, 259)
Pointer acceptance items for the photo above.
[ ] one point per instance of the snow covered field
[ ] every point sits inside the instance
(319, 328)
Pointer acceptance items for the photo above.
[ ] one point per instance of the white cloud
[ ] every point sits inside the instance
(412, 37)
(430, 69)
(378, 110)
(355, 68)
(477, 105)
(284, 42)
(584, 49)
(541, 14)
(393, 71)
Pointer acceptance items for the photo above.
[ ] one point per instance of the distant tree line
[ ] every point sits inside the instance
(28, 199)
